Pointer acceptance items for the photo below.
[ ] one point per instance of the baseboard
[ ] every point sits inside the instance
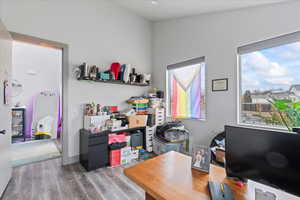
(71, 160)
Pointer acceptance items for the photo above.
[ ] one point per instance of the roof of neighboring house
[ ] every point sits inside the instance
(297, 87)
(271, 93)
(259, 96)
(280, 94)
(261, 92)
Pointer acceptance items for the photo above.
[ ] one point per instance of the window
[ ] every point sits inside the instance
(270, 82)
(186, 89)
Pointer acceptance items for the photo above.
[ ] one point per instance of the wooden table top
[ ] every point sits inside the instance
(170, 177)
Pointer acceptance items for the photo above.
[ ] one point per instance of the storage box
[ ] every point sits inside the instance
(128, 139)
(149, 148)
(134, 154)
(137, 139)
(126, 155)
(126, 151)
(104, 76)
(116, 138)
(159, 116)
(149, 138)
(149, 145)
(137, 121)
(115, 157)
(150, 130)
(161, 147)
(90, 122)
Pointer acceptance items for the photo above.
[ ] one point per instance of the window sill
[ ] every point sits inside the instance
(186, 119)
(263, 127)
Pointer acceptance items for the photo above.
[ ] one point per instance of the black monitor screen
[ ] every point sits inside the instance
(268, 157)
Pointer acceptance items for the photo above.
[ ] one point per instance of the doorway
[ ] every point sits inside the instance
(37, 99)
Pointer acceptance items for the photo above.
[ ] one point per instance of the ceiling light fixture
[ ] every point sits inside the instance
(154, 2)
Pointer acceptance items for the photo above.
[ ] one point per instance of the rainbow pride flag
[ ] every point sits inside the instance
(185, 92)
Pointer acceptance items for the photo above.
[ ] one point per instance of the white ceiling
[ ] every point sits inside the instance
(167, 9)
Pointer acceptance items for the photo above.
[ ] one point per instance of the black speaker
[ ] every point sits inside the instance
(160, 94)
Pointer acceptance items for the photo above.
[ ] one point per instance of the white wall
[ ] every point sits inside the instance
(37, 68)
(217, 37)
(98, 32)
(1, 7)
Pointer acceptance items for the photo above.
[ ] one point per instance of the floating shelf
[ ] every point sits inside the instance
(119, 82)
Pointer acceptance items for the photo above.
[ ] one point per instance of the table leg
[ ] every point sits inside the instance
(149, 197)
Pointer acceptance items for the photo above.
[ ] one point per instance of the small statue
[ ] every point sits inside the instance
(93, 72)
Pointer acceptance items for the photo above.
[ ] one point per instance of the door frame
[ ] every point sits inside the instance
(65, 74)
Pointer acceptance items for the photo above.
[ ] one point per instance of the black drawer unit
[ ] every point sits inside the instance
(93, 149)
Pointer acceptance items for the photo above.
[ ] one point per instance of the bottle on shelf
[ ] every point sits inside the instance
(132, 76)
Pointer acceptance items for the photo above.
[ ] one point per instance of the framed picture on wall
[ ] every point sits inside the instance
(220, 85)
(201, 158)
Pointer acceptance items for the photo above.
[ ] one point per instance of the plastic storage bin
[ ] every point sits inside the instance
(126, 155)
(161, 146)
(115, 157)
(149, 138)
(137, 139)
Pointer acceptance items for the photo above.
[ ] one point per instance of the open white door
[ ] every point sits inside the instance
(5, 108)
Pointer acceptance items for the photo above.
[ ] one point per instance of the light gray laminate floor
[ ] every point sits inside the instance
(48, 180)
(33, 151)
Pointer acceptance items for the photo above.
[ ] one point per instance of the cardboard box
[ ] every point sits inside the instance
(137, 121)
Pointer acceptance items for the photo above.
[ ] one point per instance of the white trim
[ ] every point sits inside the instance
(239, 89)
(70, 160)
(270, 43)
(167, 94)
(65, 82)
(263, 127)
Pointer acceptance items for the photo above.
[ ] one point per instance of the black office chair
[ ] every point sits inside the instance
(214, 143)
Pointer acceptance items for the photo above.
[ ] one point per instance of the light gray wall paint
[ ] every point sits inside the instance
(217, 37)
(98, 32)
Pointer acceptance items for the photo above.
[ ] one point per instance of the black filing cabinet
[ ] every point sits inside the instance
(93, 149)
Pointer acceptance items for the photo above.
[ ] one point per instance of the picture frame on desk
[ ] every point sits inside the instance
(201, 158)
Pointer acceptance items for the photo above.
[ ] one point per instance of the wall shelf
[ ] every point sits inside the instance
(118, 82)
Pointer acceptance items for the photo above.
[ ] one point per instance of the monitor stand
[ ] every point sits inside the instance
(264, 195)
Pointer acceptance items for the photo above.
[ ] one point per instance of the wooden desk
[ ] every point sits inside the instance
(169, 177)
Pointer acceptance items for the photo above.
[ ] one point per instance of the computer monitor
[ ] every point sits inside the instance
(265, 156)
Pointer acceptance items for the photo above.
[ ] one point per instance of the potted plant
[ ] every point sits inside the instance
(289, 113)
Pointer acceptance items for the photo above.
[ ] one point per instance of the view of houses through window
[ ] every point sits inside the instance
(270, 86)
